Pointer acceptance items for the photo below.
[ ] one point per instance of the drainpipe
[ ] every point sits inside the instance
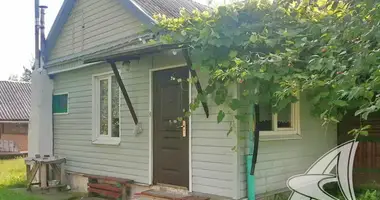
(251, 159)
(36, 34)
(42, 27)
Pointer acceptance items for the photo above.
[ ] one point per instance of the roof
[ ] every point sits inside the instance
(142, 9)
(169, 8)
(15, 101)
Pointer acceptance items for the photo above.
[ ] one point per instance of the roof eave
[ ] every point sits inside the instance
(132, 53)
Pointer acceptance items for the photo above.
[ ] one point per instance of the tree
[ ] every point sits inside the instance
(328, 50)
(26, 75)
(13, 77)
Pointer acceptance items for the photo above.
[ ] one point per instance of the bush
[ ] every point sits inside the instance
(369, 195)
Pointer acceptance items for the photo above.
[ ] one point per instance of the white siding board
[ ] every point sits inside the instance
(226, 184)
(223, 167)
(212, 158)
(211, 150)
(103, 170)
(133, 167)
(215, 190)
(212, 174)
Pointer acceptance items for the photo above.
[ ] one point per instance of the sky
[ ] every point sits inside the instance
(17, 35)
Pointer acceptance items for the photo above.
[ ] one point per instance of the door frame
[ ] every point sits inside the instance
(151, 72)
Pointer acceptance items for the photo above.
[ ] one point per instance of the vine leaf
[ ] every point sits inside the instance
(235, 104)
(221, 116)
(233, 54)
(220, 96)
(340, 103)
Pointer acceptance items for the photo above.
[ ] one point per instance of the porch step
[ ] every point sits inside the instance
(166, 195)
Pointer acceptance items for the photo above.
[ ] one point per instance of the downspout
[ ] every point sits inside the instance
(251, 159)
(43, 39)
(256, 138)
(36, 34)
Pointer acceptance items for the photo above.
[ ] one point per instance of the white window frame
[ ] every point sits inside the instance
(97, 138)
(293, 132)
(68, 101)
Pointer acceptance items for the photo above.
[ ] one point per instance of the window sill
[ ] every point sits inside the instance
(66, 113)
(107, 141)
(279, 135)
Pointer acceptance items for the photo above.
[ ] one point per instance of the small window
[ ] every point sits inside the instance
(106, 109)
(285, 122)
(60, 103)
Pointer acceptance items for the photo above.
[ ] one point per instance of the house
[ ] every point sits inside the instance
(14, 113)
(115, 110)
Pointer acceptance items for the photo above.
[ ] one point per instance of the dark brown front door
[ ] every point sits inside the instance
(170, 137)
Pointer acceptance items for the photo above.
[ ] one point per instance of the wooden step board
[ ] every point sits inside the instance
(165, 195)
(110, 187)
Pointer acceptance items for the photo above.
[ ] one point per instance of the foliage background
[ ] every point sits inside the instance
(328, 50)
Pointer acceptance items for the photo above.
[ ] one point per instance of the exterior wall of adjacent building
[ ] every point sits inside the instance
(16, 132)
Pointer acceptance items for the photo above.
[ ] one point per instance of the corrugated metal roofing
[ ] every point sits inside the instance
(169, 8)
(15, 101)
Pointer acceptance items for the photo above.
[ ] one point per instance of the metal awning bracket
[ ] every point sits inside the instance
(138, 128)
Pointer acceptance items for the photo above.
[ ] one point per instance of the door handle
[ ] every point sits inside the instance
(184, 134)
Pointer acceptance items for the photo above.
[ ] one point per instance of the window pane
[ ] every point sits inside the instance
(103, 107)
(284, 117)
(60, 103)
(115, 108)
(265, 122)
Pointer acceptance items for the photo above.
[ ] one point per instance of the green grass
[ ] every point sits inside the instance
(12, 175)
(6, 194)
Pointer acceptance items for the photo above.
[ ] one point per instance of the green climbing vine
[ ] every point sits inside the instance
(327, 50)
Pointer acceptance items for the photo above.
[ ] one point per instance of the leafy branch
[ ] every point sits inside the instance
(328, 50)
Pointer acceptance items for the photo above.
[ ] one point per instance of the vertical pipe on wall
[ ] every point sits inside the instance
(36, 34)
(251, 159)
(42, 34)
(256, 137)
